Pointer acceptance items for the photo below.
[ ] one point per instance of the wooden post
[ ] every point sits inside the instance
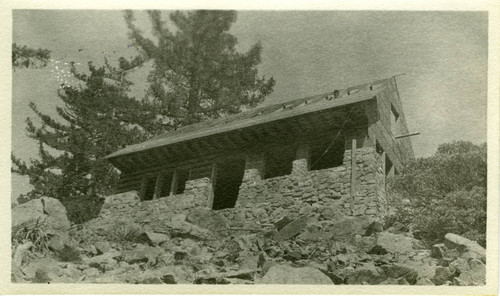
(173, 185)
(213, 179)
(353, 172)
(142, 191)
(158, 186)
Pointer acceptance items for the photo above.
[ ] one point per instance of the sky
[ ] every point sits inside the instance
(443, 56)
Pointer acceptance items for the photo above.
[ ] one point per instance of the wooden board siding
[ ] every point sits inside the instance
(398, 150)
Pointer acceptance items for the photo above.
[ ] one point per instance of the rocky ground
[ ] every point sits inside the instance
(198, 247)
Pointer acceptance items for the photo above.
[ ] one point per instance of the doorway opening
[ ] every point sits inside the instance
(227, 184)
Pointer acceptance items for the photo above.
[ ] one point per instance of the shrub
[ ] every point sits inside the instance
(122, 232)
(443, 193)
(35, 231)
(68, 254)
(80, 210)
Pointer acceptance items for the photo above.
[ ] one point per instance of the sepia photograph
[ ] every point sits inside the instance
(251, 147)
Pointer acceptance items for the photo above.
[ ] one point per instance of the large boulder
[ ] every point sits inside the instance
(387, 242)
(56, 212)
(285, 274)
(46, 209)
(28, 211)
(463, 245)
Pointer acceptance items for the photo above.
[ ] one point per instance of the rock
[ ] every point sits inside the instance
(105, 261)
(374, 227)
(282, 222)
(291, 229)
(183, 229)
(28, 211)
(206, 218)
(57, 215)
(153, 238)
(102, 247)
(475, 275)
(344, 229)
(142, 253)
(20, 254)
(453, 241)
(442, 275)
(285, 274)
(91, 272)
(48, 210)
(59, 241)
(438, 251)
(387, 242)
(366, 273)
(396, 271)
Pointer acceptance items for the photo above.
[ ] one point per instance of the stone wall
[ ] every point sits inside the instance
(327, 187)
(323, 195)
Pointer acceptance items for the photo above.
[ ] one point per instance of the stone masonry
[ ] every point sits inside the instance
(322, 194)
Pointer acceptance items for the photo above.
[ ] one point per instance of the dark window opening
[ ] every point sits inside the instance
(379, 148)
(182, 178)
(279, 162)
(394, 120)
(150, 188)
(388, 166)
(227, 184)
(327, 155)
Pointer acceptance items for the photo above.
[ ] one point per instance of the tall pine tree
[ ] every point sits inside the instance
(96, 119)
(197, 73)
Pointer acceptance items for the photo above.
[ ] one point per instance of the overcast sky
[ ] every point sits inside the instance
(443, 56)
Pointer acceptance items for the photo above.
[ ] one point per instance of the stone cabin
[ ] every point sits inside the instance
(335, 149)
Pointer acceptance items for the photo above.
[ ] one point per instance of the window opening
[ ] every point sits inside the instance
(279, 161)
(150, 188)
(227, 184)
(394, 120)
(388, 166)
(333, 157)
(379, 148)
(182, 178)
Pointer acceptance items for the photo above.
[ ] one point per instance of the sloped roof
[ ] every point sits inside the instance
(257, 116)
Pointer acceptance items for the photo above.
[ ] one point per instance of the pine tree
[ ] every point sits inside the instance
(25, 57)
(98, 118)
(197, 73)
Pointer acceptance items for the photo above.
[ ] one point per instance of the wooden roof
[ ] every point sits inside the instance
(258, 116)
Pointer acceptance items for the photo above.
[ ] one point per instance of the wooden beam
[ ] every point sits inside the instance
(174, 184)
(213, 179)
(353, 172)
(158, 185)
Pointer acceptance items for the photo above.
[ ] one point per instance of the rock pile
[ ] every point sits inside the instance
(200, 246)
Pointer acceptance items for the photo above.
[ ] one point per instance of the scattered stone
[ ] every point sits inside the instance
(475, 275)
(453, 241)
(366, 273)
(153, 238)
(102, 247)
(438, 251)
(291, 229)
(396, 271)
(206, 218)
(442, 275)
(394, 243)
(142, 253)
(285, 274)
